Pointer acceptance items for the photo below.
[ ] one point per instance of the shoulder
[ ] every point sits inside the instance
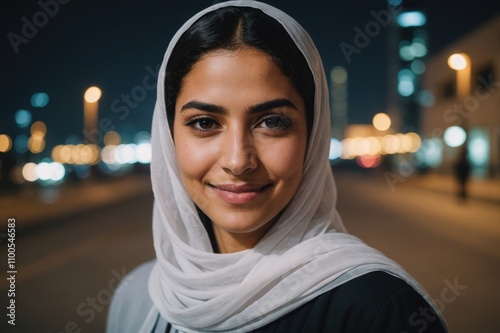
(384, 303)
(131, 302)
(374, 302)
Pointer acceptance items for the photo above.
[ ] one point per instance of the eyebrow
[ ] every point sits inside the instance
(262, 107)
(204, 107)
(272, 104)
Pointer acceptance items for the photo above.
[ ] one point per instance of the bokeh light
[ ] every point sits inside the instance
(36, 144)
(38, 129)
(124, 154)
(406, 86)
(431, 153)
(43, 171)
(46, 172)
(412, 142)
(411, 19)
(76, 154)
(335, 149)
(58, 171)
(454, 136)
(390, 144)
(418, 48)
(29, 172)
(107, 154)
(39, 100)
(23, 118)
(368, 161)
(92, 94)
(143, 153)
(417, 67)
(5, 143)
(457, 61)
(381, 121)
(478, 147)
(338, 75)
(112, 138)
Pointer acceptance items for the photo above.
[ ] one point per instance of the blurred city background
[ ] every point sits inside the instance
(415, 145)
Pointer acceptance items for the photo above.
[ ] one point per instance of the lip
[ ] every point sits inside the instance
(238, 194)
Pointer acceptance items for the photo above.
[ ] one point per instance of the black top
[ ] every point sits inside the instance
(374, 302)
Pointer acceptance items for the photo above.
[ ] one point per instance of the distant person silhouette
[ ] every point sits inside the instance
(462, 173)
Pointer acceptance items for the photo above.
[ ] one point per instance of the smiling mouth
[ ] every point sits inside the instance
(239, 194)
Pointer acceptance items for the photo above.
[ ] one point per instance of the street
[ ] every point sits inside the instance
(68, 271)
(437, 240)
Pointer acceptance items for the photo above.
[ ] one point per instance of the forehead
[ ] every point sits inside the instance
(234, 63)
(243, 72)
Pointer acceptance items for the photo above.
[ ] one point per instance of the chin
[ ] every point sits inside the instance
(240, 223)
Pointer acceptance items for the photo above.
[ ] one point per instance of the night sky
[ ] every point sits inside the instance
(116, 45)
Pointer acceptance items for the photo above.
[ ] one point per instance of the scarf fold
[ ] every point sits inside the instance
(306, 253)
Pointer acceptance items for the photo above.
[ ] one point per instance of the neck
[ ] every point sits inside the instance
(230, 242)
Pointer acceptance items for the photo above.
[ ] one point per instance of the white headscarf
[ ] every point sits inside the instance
(305, 253)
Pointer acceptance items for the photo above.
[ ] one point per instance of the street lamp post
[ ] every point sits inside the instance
(455, 136)
(90, 112)
(461, 63)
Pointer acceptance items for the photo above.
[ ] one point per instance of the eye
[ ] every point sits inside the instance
(205, 123)
(275, 122)
(202, 123)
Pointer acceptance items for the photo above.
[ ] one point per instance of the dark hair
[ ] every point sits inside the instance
(230, 28)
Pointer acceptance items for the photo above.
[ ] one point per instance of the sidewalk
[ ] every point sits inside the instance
(486, 190)
(34, 206)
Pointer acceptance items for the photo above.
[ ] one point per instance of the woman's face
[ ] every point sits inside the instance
(240, 135)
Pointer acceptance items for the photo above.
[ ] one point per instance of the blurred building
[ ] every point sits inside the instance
(406, 51)
(338, 101)
(461, 107)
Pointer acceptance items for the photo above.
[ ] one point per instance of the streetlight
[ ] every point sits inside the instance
(90, 111)
(461, 63)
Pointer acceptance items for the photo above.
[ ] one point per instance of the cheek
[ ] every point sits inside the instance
(288, 163)
(194, 159)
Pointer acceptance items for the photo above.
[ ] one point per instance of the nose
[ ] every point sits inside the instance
(239, 153)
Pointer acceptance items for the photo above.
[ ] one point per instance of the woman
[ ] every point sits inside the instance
(245, 228)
